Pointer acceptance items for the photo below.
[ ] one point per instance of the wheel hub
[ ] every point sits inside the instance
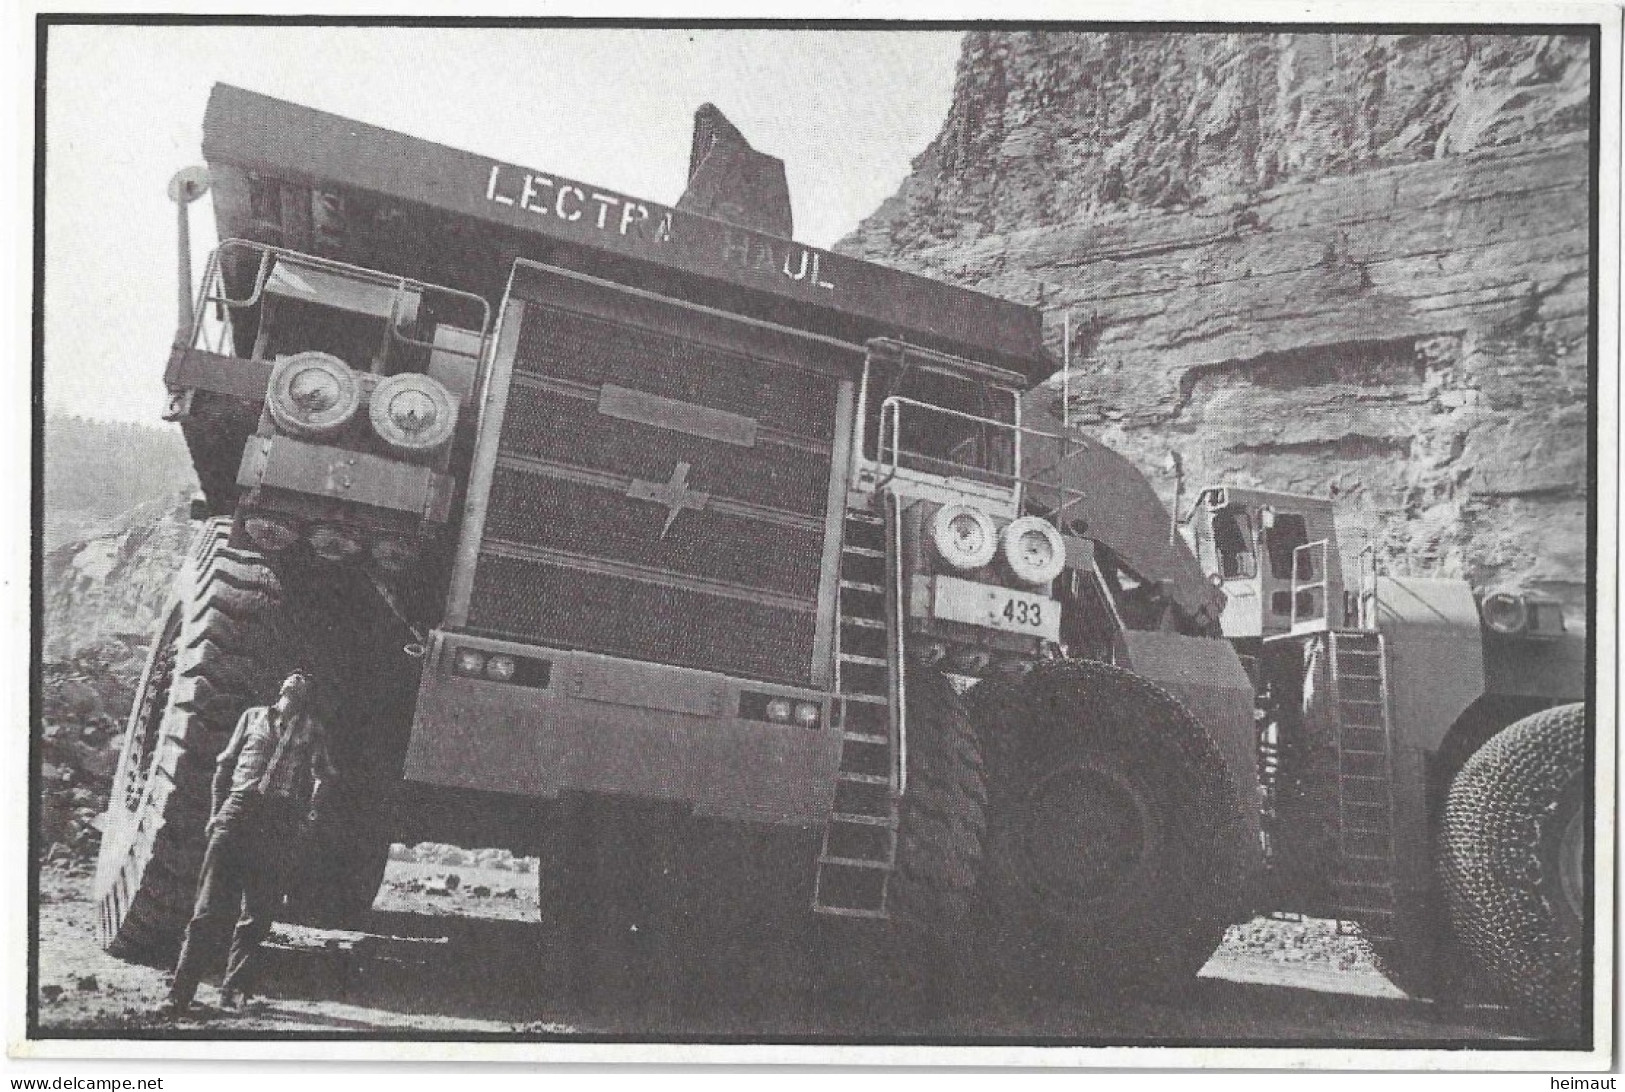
(1086, 836)
(1571, 854)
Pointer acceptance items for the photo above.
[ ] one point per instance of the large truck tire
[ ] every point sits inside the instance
(1415, 948)
(345, 859)
(912, 959)
(366, 697)
(1512, 865)
(217, 652)
(1420, 956)
(1116, 846)
(941, 822)
(236, 628)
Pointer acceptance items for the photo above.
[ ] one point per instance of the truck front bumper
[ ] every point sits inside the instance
(579, 722)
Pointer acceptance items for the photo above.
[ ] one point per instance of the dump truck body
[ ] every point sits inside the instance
(657, 440)
(326, 185)
(612, 500)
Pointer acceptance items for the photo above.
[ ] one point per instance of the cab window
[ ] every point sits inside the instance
(1281, 540)
(305, 308)
(1233, 542)
(938, 442)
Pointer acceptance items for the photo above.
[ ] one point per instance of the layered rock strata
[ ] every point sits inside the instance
(1354, 266)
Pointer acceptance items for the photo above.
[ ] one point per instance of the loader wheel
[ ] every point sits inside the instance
(1512, 847)
(1117, 848)
(214, 655)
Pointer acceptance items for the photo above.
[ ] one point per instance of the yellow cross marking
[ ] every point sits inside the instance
(675, 495)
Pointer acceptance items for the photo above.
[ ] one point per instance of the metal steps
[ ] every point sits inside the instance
(859, 849)
(1367, 879)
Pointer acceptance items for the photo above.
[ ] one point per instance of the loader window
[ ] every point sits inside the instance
(1233, 540)
(1288, 533)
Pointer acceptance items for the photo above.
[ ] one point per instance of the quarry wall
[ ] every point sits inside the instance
(1347, 265)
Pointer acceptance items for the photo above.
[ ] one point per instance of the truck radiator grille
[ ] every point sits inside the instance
(593, 351)
(688, 529)
(641, 620)
(568, 428)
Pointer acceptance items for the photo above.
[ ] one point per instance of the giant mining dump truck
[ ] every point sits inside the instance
(602, 520)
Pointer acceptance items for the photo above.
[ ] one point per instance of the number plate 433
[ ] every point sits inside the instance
(1012, 611)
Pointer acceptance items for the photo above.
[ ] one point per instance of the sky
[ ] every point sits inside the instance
(846, 110)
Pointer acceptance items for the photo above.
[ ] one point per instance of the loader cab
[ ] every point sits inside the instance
(1274, 555)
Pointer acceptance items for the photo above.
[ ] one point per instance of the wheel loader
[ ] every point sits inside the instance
(1423, 755)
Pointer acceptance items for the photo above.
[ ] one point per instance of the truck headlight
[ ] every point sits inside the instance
(271, 533)
(1505, 612)
(964, 537)
(1034, 550)
(394, 554)
(333, 543)
(413, 413)
(312, 394)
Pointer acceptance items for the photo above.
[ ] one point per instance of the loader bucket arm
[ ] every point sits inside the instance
(1109, 500)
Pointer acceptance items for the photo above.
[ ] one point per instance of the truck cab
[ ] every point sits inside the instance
(366, 397)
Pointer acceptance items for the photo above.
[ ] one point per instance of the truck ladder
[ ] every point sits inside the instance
(1366, 879)
(859, 849)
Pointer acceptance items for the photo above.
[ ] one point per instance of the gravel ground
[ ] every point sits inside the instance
(463, 964)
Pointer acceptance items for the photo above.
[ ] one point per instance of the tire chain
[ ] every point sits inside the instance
(1491, 839)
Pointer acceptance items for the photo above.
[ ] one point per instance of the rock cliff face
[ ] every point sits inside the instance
(114, 534)
(110, 587)
(104, 596)
(1343, 264)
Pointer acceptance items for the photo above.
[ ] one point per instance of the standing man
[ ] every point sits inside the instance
(268, 788)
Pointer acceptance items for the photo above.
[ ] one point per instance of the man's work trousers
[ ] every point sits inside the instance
(252, 843)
